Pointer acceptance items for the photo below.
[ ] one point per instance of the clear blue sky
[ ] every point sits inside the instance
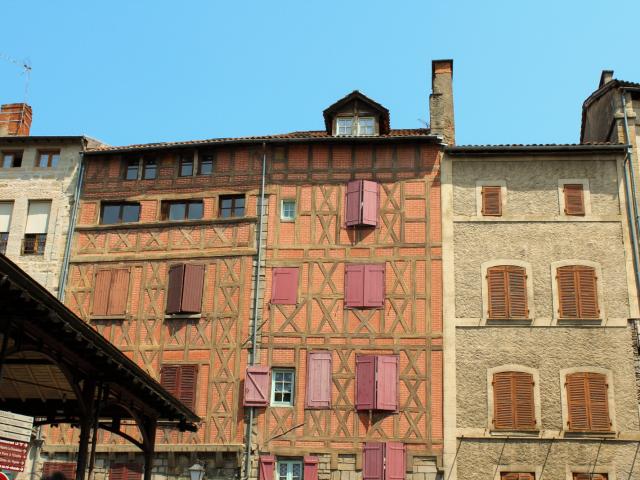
(143, 71)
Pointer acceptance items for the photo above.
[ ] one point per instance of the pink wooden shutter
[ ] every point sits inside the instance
(284, 288)
(354, 203)
(386, 382)
(354, 285)
(101, 292)
(374, 285)
(369, 203)
(192, 289)
(256, 386)
(395, 461)
(373, 461)
(365, 382)
(310, 468)
(174, 289)
(267, 464)
(318, 380)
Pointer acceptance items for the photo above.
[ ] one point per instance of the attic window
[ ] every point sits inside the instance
(345, 126)
(355, 126)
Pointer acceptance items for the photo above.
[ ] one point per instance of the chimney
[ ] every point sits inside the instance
(15, 119)
(441, 100)
(605, 77)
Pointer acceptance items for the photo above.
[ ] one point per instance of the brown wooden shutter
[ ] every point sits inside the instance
(577, 292)
(573, 199)
(192, 289)
(101, 292)
(67, 469)
(174, 289)
(587, 292)
(513, 401)
(590, 476)
(567, 292)
(492, 200)
(169, 378)
(525, 413)
(598, 402)
(517, 476)
(497, 287)
(577, 402)
(507, 292)
(125, 471)
(188, 381)
(517, 292)
(588, 402)
(503, 417)
(119, 292)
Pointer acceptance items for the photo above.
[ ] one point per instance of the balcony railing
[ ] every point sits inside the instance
(33, 243)
(4, 238)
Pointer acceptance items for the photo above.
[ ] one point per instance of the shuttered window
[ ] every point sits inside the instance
(362, 203)
(573, 199)
(377, 382)
(184, 293)
(590, 476)
(517, 476)
(318, 391)
(492, 200)
(587, 402)
(310, 468)
(284, 287)
(383, 461)
(125, 471)
(577, 292)
(111, 292)
(180, 381)
(373, 461)
(364, 285)
(507, 292)
(513, 401)
(266, 466)
(256, 386)
(67, 469)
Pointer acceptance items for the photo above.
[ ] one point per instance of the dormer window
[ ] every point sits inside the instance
(345, 126)
(355, 126)
(356, 115)
(366, 126)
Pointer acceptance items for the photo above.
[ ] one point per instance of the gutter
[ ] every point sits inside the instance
(493, 150)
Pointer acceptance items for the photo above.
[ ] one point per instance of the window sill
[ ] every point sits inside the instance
(277, 405)
(569, 434)
(182, 316)
(107, 317)
(594, 322)
(166, 223)
(509, 321)
(288, 220)
(515, 433)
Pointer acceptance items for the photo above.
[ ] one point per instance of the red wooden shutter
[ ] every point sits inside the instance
(169, 378)
(67, 469)
(119, 292)
(101, 292)
(369, 203)
(188, 382)
(373, 461)
(318, 380)
(310, 468)
(598, 402)
(492, 201)
(354, 203)
(267, 464)
(284, 287)
(497, 293)
(577, 292)
(395, 466)
(374, 285)
(256, 386)
(517, 292)
(354, 285)
(365, 382)
(386, 382)
(192, 289)
(174, 290)
(573, 199)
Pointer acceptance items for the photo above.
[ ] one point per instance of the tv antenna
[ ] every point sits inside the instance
(25, 65)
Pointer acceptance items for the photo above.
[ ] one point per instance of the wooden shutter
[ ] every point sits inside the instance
(386, 383)
(67, 469)
(517, 476)
(517, 292)
(590, 476)
(598, 402)
(373, 461)
(267, 464)
(101, 292)
(310, 468)
(577, 292)
(587, 402)
(354, 203)
(492, 201)
(174, 289)
(125, 471)
(192, 289)
(497, 293)
(169, 379)
(507, 292)
(573, 199)
(256, 386)
(513, 401)
(365, 382)
(187, 385)
(374, 283)
(370, 203)
(587, 292)
(395, 466)
(118, 292)
(354, 285)
(284, 286)
(318, 391)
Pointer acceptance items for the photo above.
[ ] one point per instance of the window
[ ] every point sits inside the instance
(184, 292)
(48, 159)
(67, 469)
(111, 292)
(366, 126)
(182, 210)
(149, 169)
(573, 199)
(587, 402)
(318, 391)
(256, 386)
(186, 165)
(513, 401)
(288, 210)
(492, 200)
(364, 285)
(577, 292)
(282, 385)
(122, 212)
(360, 126)
(6, 209)
(231, 206)
(377, 382)
(205, 164)
(590, 476)
(383, 461)
(345, 125)
(36, 229)
(11, 159)
(507, 292)
(284, 287)
(289, 470)
(180, 381)
(125, 471)
(517, 476)
(132, 169)
(362, 203)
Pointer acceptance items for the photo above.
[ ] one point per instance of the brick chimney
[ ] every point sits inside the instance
(15, 119)
(605, 77)
(441, 100)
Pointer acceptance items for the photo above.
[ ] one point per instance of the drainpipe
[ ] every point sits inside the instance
(256, 286)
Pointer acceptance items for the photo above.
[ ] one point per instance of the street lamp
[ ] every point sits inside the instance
(196, 471)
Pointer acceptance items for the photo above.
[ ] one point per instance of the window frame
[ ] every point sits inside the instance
(556, 298)
(165, 210)
(352, 127)
(145, 168)
(49, 154)
(200, 156)
(121, 206)
(480, 184)
(586, 196)
(129, 162)
(484, 320)
(183, 159)
(15, 154)
(39, 241)
(607, 472)
(373, 126)
(284, 370)
(284, 218)
(491, 398)
(290, 463)
(234, 198)
(180, 388)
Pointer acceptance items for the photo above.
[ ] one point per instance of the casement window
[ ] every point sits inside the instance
(364, 285)
(12, 159)
(513, 401)
(132, 167)
(587, 402)
(119, 212)
(590, 476)
(491, 200)
(185, 164)
(149, 169)
(139, 166)
(256, 386)
(66, 469)
(345, 126)
(289, 470)
(205, 164)
(288, 210)
(377, 382)
(182, 210)
(362, 203)
(383, 461)
(577, 292)
(285, 469)
(284, 286)
(6, 209)
(231, 206)
(180, 381)
(319, 380)
(184, 292)
(366, 126)
(48, 158)
(35, 234)
(573, 199)
(125, 471)
(282, 387)
(355, 126)
(517, 476)
(111, 292)
(507, 292)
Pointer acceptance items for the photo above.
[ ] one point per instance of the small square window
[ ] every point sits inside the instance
(186, 165)
(288, 211)
(113, 213)
(11, 159)
(133, 165)
(282, 385)
(205, 165)
(231, 206)
(345, 126)
(182, 210)
(48, 159)
(366, 126)
(149, 169)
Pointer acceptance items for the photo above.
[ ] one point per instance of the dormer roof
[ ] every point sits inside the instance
(358, 100)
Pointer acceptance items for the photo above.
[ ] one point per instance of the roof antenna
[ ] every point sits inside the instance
(26, 71)
(426, 125)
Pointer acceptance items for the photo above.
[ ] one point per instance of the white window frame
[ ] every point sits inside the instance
(373, 126)
(290, 464)
(353, 126)
(556, 299)
(275, 403)
(284, 217)
(586, 195)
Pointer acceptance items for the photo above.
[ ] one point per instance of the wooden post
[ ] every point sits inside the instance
(149, 427)
(88, 413)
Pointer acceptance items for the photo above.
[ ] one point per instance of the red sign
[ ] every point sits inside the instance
(13, 455)
(3, 476)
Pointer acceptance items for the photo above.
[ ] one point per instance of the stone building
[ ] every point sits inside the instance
(538, 288)
(38, 179)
